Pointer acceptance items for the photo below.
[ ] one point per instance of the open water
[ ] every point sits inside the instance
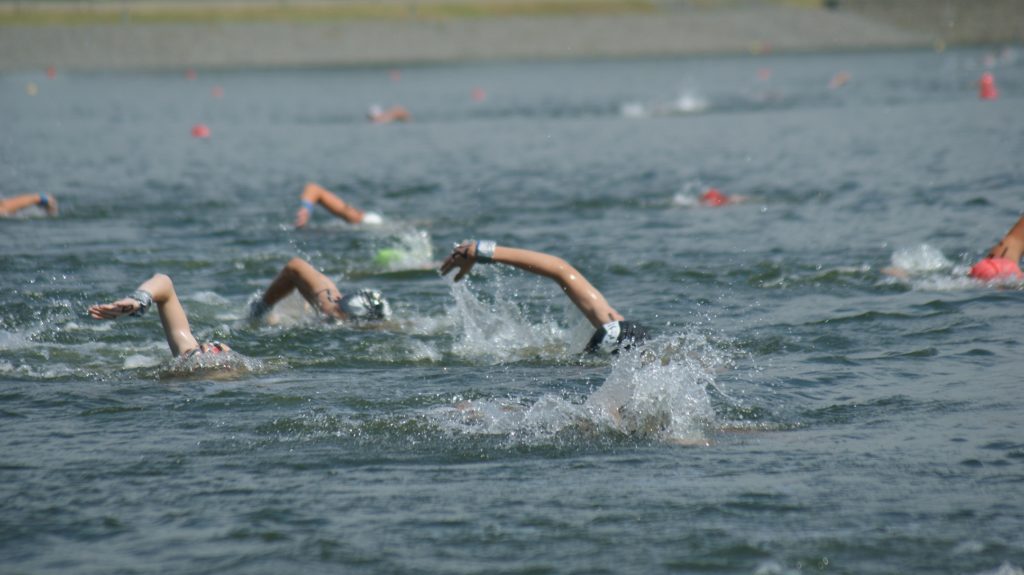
(804, 413)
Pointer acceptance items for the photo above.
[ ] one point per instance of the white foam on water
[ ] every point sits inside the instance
(921, 259)
(498, 330)
(223, 365)
(138, 360)
(687, 102)
(634, 110)
(657, 393)
(208, 298)
(688, 195)
(1006, 568)
(14, 339)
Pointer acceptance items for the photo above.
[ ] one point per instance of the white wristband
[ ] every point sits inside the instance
(485, 251)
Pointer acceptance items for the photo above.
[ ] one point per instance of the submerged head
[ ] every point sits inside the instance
(990, 269)
(387, 256)
(616, 336)
(365, 304)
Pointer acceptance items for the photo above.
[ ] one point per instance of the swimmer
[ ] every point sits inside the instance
(160, 289)
(379, 115)
(9, 206)
(314, 194)
(322, 294)
(1002, 261)
(613, 331)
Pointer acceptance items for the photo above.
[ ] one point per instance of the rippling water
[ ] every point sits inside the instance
(802, 412)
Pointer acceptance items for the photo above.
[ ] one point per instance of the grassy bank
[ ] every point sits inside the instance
(88, 13)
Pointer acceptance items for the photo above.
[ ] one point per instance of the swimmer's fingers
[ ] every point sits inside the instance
(301, 217)
(448, 264)
(463, 270)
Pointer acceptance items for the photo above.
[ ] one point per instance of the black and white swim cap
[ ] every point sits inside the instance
(616, 336)
(365, 304)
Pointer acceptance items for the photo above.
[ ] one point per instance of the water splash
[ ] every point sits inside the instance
(921, 259)
(498, 330)
(659, 393)
(688, 195)
(223, 365)
(408, 250)
(688, 102)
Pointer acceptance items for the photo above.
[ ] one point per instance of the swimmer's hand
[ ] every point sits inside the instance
(462, 257)
(114, 310)
(51, 205)
(302, 217)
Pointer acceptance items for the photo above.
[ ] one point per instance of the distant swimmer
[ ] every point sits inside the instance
(321, 293)
(714, 198)
(711, 197)
(160, 290)
(10, 206)
(1002, 261)
(381, 115)
(613, 333)
(314, 194)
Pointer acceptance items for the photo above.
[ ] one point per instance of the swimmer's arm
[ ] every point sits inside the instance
(314, 194)
(1011, 246)
(587, 298)
(315, 287)
(172, 314)
(18, 203)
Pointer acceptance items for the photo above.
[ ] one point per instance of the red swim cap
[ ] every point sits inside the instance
(990, 269)
(713, 197)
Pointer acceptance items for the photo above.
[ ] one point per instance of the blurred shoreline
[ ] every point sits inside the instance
(161, 34)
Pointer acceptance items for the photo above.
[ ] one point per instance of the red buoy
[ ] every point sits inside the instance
(987, 87)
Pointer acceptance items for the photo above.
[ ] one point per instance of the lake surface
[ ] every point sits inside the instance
(803, 412)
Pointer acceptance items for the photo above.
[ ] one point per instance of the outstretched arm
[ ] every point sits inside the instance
(314, 194)
(586, 297)
(314, 286)
(159, 289)
(11, 205)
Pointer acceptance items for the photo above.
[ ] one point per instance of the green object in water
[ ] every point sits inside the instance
(387, 256)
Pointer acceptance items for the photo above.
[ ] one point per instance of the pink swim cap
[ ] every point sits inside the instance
(990, 269)
(713, 197)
